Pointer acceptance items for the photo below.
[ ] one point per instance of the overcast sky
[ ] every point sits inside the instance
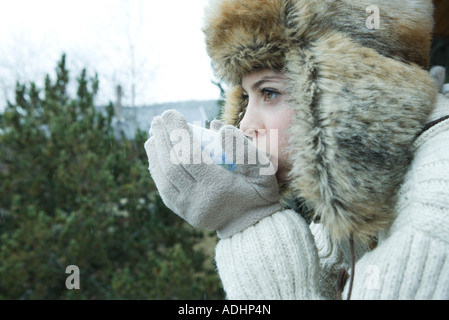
(157, 45)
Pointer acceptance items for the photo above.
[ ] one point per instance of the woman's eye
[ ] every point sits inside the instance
(269, 94)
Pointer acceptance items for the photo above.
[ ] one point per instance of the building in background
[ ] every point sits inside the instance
(129, 119)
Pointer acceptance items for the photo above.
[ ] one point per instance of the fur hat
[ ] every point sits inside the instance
(360, 95)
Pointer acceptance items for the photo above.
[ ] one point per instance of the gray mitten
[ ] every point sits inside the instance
(226, 197)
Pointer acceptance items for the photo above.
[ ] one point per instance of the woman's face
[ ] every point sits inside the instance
(268, 115)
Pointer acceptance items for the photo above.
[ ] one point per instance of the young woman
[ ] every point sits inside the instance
(359, 205)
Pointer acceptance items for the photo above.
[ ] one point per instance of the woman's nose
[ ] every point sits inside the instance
(251, 122)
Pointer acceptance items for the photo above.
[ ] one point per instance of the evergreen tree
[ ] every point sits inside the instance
(73, 194)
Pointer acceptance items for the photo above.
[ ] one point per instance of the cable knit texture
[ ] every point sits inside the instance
(274, 259)
(282, 257)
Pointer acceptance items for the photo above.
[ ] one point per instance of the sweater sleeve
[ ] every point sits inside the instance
(276, 259)
(282, 257)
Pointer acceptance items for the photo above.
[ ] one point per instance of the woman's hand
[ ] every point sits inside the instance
(227, 198)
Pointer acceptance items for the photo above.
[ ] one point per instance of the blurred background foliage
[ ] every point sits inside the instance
(72, 193)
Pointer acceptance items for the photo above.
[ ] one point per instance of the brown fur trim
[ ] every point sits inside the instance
(235, 106)
(405, 27)
(243, 36)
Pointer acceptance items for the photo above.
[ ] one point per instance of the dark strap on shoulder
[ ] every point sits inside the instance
(430, 125)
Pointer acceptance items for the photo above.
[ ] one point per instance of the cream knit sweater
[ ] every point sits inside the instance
(282, 257)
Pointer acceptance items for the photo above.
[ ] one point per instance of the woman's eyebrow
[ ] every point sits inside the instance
(259, 83)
